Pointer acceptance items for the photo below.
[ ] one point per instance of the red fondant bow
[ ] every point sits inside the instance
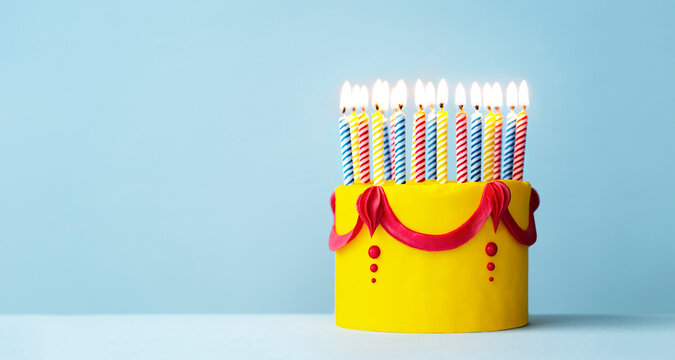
(374, 210)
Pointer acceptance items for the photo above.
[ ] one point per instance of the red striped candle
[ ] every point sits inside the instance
(419, 146)
(519, 152)
(460, 134)
(419, 135)
(521, 133)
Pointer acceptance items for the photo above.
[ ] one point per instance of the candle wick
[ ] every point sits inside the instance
(523, 107)
(461, 107)
(344, 109)
(513, 108)
(421, 108)
(477, 106)
(377, 107)
(441, 105)
(400, 106)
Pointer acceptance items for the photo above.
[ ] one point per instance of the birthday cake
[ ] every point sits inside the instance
(432, 255)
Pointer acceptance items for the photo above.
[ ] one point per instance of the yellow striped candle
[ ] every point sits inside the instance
(354, 131)
(378, 136)
(442, 134)
(489, 136)
(364, 137)
(497, 102)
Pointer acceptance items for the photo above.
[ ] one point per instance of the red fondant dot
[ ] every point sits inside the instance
(373, 280)
(373, 267)
(491, 278)
(374, 252)
(491, 266)
(491, 249)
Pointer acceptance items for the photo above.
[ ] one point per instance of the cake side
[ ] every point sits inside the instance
(383, 283)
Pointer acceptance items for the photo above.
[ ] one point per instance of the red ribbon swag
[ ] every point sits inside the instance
(374, 210)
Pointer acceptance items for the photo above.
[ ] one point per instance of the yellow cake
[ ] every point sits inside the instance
(441, 258)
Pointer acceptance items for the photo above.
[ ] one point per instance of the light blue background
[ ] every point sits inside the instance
(160, 157)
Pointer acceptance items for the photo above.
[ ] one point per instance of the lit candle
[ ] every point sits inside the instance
(489, 137)
(354, 130)
(388, 140)
(419, 128)
(510, 131)
(461, 134)
(497, 101)
(521, 130)
(476, 132)
(364, 142)
(430, 93)
(345, 136)
(378, 136)
(392, 134)
(399, 97)
(442, 149)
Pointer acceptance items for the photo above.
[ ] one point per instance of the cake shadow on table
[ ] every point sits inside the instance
(561, 321)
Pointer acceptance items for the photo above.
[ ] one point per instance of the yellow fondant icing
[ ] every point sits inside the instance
(431, 291)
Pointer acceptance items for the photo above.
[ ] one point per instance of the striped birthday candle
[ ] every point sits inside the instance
(346, 150)
(392, 121)
(399, 146)
(497, 102)
(354, 134)
(475, 146)
(388, 139)
(509, 142)
(364, 148)
(498, 145)
(431, 145)
(442, 146)
(460, 145)
(489, 140)
(378, 147)
(418, 160)
(519, 148)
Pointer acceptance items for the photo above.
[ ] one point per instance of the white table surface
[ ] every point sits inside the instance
(316, 337)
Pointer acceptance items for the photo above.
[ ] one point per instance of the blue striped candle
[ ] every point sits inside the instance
(399, 146)
(387, 151)
(346, 149)
(431, 145)
(507, 148)
(475, 146)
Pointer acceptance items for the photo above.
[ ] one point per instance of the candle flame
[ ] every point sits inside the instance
(497, 96)
(384, 96)
(476, 98)
(376, 93)
(355, 99)
(420, 96)
(364, 97)
(430, 93)
(402, 93)
(487, 95)
(460, 95)
(524, 94)
(345, 95)
(511, 95)
(442, 92)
